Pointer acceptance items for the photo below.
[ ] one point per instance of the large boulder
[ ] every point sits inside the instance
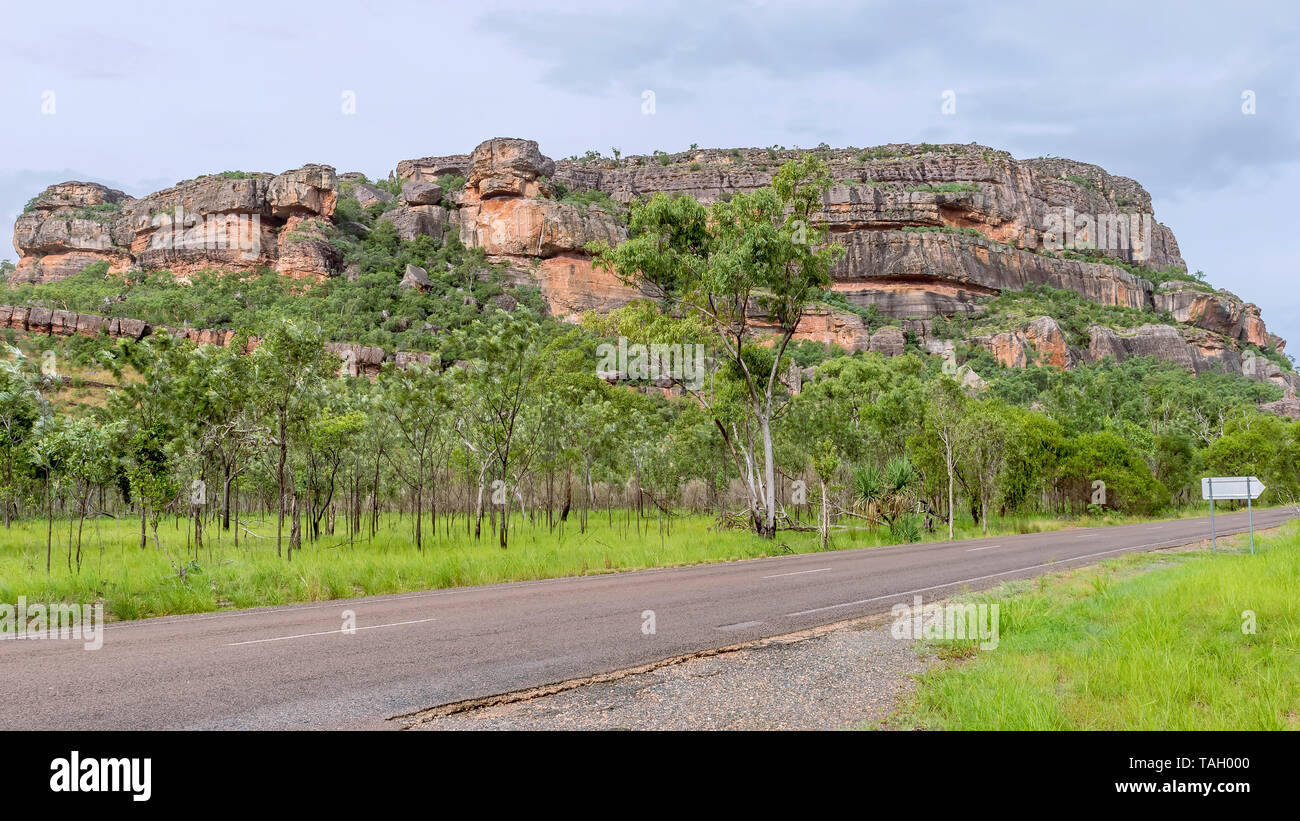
(507, 167)
(889, 341)
(421, 193)
(368, 194)
(415, 278)
(412, 221)
(310, 190)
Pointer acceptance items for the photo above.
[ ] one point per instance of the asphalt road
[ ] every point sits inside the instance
(294, 667)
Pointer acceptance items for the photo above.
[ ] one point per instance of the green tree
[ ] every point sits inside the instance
(743, 267)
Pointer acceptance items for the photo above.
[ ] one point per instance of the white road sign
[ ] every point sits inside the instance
(1231, 487)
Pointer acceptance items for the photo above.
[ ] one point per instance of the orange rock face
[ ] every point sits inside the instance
(52, 267)
(535, 227)
(571, 284)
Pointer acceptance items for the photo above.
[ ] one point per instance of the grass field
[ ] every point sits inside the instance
(1148, 641)
(135, 583)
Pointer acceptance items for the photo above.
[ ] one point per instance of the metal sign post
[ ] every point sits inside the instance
(1250, 516)
(1232, 487)
(1214, 544)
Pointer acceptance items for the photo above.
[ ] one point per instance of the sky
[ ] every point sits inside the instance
(141, 95)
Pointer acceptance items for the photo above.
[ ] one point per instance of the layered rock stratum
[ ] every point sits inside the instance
(931, 232)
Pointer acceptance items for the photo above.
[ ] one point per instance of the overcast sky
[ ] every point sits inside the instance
(141, 95)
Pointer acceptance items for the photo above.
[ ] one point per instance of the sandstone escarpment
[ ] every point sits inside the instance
(1028, 214)
(930, 231)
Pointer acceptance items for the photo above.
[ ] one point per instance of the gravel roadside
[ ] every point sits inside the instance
(850, 674)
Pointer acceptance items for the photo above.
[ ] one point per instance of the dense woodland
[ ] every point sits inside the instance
(512, 425)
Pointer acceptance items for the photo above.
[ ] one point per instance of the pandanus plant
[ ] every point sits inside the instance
(889, 494)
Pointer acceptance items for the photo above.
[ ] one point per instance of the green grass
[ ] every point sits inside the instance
(1151, 642)
(135, 583)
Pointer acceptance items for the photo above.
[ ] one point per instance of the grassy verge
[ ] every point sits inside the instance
(135, 583)
(1149, 641)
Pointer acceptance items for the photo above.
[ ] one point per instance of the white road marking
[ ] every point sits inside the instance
(329, 632)
(797, 572)
(1156, 528)
(990, 547)
(967, 581)
(739, 625)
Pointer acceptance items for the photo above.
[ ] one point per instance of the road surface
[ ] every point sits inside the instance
(294, 667)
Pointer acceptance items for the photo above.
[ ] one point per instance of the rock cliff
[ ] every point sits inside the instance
(931, 231)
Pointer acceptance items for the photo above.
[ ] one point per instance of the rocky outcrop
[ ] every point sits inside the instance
(223, 221)
(1196, 350)
(518, 227)
(507, 209)
(508, 167)
(1218, 311)
(304, 249)
(926, 274)
(415, 277)
(69, 226)
(956, 185)
(1041, 342)
(991, 223)
(1287, 406)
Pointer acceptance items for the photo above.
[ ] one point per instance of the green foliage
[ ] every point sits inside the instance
(585, 199)
(945, 187)
(1259, 445)
(874, 320)
(348, 311)
(1108, 457)
(879, 153)
(451, 182)
(808, 352)
(103, 213)
(1075, 313)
